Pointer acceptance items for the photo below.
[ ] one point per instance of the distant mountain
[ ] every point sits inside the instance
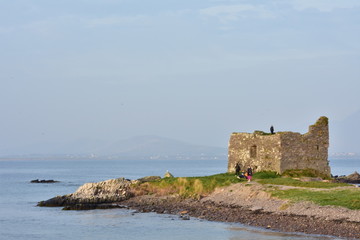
(144, 147)
(80, 146)
(159, 147)
(345, 135)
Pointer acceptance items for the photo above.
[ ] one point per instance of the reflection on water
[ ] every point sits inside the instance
(245, 232)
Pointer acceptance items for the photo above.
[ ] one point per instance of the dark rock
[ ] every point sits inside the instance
(43, 181)
(185, 217)
(85, 206)
(354, 177)
(57, 201)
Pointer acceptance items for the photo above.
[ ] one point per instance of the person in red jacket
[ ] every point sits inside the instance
(249, 174)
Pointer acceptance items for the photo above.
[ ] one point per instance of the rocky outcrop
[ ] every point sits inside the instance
(93, 195)
(352, 178)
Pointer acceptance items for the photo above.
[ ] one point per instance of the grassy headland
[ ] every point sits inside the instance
(322, 193)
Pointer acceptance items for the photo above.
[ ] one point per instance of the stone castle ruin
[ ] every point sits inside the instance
(282, 150)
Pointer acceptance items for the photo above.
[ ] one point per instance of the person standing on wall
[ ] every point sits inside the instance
(272, 129)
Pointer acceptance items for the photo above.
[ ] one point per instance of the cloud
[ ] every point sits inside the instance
(230, 13)
(226, 9)
(140, 20)
(324, 5)
(51, 26)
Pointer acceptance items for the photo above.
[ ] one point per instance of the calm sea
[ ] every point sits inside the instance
(20, 219)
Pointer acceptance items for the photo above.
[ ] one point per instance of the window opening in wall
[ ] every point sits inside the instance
(253, 151)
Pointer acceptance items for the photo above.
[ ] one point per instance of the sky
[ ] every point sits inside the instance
(195, 71)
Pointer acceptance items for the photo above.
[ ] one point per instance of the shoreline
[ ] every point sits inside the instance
(242, 202)
(289, 223)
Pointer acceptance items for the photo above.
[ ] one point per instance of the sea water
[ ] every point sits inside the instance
(21, 219)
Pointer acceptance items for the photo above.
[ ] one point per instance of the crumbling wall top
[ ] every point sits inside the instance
(320, 123)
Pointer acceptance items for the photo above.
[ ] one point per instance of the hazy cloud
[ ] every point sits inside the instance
(229, 13)
(324, 5)
(119, 20)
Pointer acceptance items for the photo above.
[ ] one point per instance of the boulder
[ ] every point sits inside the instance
(352, 178)
(90, 195)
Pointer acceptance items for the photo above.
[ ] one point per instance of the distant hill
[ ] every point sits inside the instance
(141, 147)
(154, 145)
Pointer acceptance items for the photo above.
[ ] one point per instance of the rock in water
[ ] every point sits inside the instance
(90, 195)
(185, 217)
(43, 181)
(168, 175)
(354, 177)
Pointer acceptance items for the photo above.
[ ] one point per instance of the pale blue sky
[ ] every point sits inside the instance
(189, 70)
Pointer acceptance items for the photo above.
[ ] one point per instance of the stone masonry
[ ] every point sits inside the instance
(282, 151)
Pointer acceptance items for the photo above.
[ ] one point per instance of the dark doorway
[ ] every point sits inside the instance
(253, 151)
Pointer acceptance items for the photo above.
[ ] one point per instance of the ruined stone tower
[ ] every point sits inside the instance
(283, 150)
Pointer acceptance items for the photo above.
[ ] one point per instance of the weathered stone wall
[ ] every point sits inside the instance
(261, 152)
(283, 150)
(309, 150)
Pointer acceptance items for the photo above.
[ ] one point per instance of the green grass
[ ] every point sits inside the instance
(266, 175)
(193, 187)
(349, 198)
(262, 133)
(304, 173)
(297, 183)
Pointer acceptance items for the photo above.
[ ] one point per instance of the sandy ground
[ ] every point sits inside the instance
(254, 197)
